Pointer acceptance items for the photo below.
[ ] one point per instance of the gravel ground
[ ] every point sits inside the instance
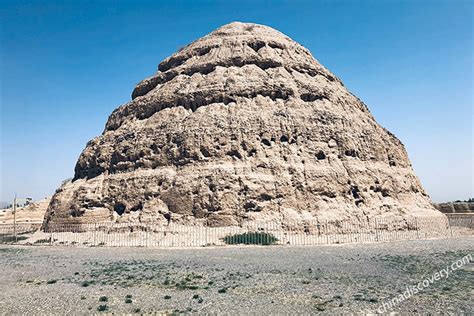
(258, 280)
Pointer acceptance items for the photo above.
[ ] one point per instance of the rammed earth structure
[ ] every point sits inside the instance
(241, 125)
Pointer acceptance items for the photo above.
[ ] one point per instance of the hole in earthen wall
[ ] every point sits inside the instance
(321, 155)
(265, 197)
(137, 207)
(351, 153)
(355, 192)
(203, 51)
(154, 148)
(212, 187)
(252, 207)
(205, 152)
(310, 97)
(76, 213)
(119, 208)
(234, 153)
(256, 45)
(275, 45)
(252, 152)
(167, 216)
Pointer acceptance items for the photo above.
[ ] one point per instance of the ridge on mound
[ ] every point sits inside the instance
(242, 124)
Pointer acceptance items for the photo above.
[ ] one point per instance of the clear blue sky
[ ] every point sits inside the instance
(66, 65)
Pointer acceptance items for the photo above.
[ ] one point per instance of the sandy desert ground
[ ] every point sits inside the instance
(262, 280)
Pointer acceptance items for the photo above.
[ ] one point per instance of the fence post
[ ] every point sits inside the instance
(417, 228)
(146, 235)
(376, 230)
(14, 218)
(327, 233)
(450, 227)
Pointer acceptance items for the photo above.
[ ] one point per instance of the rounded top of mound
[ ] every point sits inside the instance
(239, 41)
(234, 62)
(240, 28)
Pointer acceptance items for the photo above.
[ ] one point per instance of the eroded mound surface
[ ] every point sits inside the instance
(241, 124)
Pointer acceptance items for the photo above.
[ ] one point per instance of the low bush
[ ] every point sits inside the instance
(86, 283)
(251, 238)
(102, 308)
(5, 239)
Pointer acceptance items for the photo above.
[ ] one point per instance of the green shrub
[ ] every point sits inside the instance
(86, 283)
(102, 308)
(128, 300)
(167, 297)
(251, 238)
(51, 281)
(42, 241)
(7, 238)
(103, 299)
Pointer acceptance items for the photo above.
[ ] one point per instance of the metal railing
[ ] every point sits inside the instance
(113, 234)
(461, 220)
